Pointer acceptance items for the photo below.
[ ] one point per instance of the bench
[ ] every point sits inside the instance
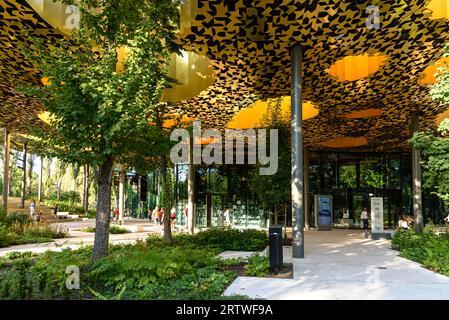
(62, 215)
(135, 228)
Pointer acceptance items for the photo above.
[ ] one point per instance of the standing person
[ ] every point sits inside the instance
(364, 218)
(161, 216)
(447, 217)
(117, 214)
(173, 217)
(403, 224)
(227, 215)
(32, 208)
(37, 217)
(186, 216)
(155, 215)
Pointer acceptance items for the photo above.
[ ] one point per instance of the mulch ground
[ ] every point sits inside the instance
(285, 272)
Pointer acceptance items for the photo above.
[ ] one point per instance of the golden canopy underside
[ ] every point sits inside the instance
(248, 43)
(252, 39)
(18, 112)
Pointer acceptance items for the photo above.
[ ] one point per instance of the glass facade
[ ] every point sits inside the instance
(351, 178)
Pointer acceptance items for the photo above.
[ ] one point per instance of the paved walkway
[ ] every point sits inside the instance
(342, 264)
(78, 238)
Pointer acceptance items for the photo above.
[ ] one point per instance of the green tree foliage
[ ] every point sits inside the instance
(275, 190)
(102, 109)
(434, 145)
(435, 149)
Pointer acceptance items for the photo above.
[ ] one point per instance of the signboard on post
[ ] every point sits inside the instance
(323, 212)
(377, 215)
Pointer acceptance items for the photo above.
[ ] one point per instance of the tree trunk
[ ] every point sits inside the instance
(167, 202)
(103, 218)
(58, 192)
(48, 181)
(30, 176)
(86, 188)
(40, 185)
(24, 177)
(75, 173)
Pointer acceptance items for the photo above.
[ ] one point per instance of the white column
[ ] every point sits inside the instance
(191, 191)
(121, 194)
(7, 144)
(39, 189)
(417, 181)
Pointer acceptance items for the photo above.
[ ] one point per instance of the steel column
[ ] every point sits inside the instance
(297, 153)
(417, 181)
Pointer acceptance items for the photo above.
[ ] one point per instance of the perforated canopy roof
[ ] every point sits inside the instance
(364, 78)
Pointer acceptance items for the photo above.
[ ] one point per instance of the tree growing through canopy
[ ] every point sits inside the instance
(102, 108)
(275, 190)
(434, 145)
(435, 149)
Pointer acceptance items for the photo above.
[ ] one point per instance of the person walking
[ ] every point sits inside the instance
(173, 217)
(32, 208)
(155, 215)
(161, 217)
(227, 215)
(364, 218)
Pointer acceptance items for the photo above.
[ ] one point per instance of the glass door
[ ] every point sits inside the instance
(358, 203)
(218, 210)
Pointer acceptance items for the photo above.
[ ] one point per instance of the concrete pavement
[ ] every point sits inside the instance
(343, 265)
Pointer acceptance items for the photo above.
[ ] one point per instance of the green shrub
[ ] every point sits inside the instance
(145, 270)
(30, 233)
(66, 206)
(91, 213)
(112, 230)
(117, 230)
(204, 283)
(232, 239)
(3, 214)
(17, 219)
(7, 238)
(429, 249)
(219, 239)
(50, 272)
(19, 255)
(135, 266)
(257, 266)
(16, 282)
(45, 231)
(69, 196)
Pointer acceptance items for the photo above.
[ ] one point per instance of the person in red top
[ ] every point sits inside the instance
(116, 214)
(186, 216)
(173, 217)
